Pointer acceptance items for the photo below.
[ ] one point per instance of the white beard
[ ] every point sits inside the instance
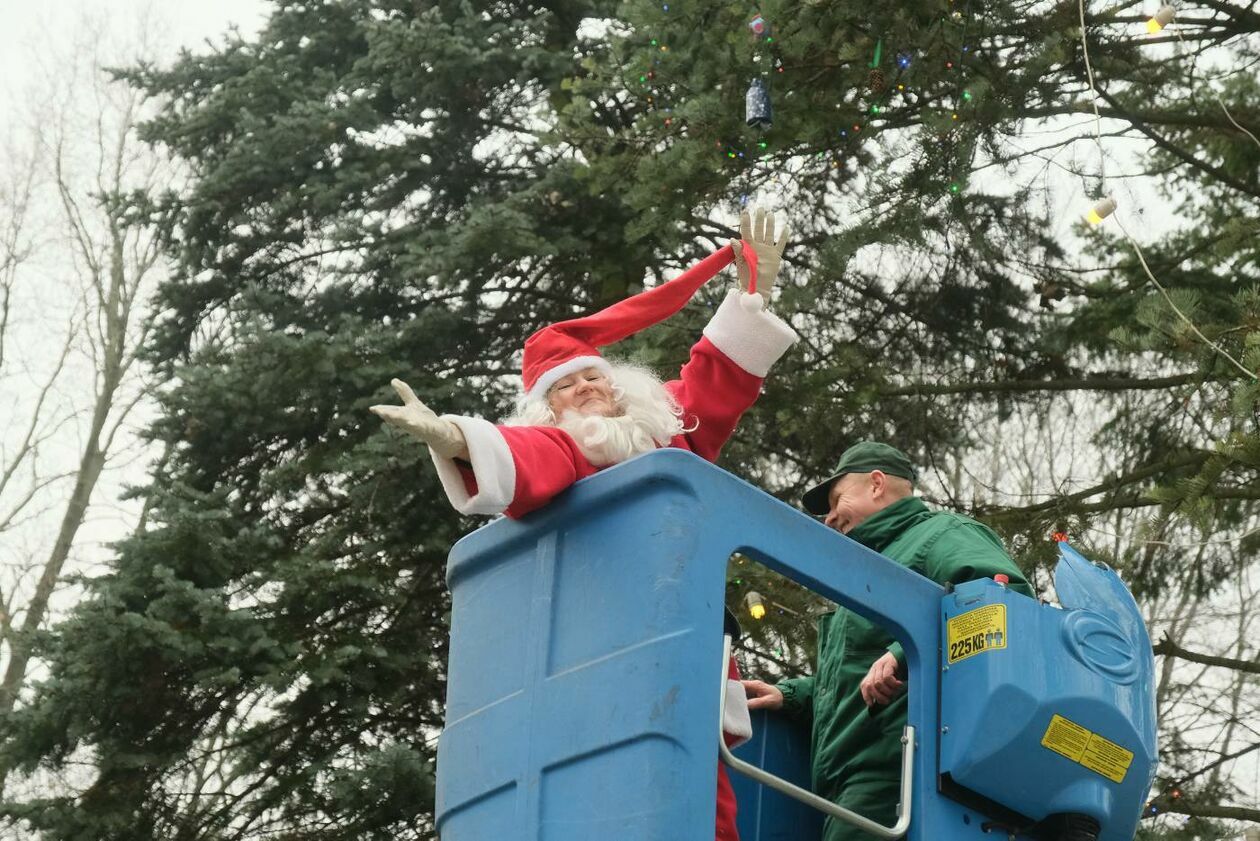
(607, 441)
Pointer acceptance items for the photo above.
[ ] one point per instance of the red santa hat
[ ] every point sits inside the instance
(564, 348)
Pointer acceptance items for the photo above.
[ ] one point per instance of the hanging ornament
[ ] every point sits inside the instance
(760, 27)
(1060, 537)
(757, 112)
(879, 52)
(877, 81)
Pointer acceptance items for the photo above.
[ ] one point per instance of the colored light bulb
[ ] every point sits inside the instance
(756, 606)
(1161, 19)
(1101, 210)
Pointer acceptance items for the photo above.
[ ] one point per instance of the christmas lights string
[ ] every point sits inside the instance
(759, 110)
(961, 93)
(883, 92)
(1168, 299)
(647, 78)
(1093, 95)
(759, 90)
(946, 164)
(1107, 205)
(758, 104)
(1164, 17)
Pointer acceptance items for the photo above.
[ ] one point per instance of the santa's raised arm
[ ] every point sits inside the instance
(581, 412)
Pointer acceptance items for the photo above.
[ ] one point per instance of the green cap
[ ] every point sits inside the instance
(860, 458)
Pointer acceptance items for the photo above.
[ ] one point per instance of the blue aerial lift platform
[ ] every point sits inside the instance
(587, 666)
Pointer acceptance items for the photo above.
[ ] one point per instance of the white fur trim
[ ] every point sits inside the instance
(572, 366)
(492, 466)
(735, 718)
(748, 333)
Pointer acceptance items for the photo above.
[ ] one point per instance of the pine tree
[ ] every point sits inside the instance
(409, 189)
(267, 656)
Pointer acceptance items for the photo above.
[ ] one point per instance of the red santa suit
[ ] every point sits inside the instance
(514, 470)
(736, 729)
(517, 469)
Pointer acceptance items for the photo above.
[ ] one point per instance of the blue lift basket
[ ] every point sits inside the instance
(587, 666)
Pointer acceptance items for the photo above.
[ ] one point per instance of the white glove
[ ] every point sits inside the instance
(413, 417)
(760, 235)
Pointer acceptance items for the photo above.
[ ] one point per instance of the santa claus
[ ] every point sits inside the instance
(580, 413)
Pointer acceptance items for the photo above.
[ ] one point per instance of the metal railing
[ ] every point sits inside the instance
(888, 833)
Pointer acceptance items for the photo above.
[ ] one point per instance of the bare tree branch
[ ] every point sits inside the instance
(1196, 810)
(1140, 474)
(1086, 383)
(1168, 648)
(105, 244)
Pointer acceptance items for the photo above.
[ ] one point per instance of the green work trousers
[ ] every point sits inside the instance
(875, 800)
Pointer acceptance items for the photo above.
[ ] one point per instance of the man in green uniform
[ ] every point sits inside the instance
(855, 699)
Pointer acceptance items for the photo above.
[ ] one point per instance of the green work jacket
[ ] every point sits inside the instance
(850, 746)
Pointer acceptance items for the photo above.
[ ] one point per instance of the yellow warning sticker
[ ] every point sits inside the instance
(1107, 758)
(1098, 754)
(982, 629)
(1065, 737)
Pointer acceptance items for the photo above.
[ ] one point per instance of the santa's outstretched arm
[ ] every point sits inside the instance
(511, 470)
(490, 469)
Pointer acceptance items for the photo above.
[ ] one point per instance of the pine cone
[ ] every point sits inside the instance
(878, 82)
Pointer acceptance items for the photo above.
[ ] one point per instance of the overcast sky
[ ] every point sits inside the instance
(38, 40)
(29, 30)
